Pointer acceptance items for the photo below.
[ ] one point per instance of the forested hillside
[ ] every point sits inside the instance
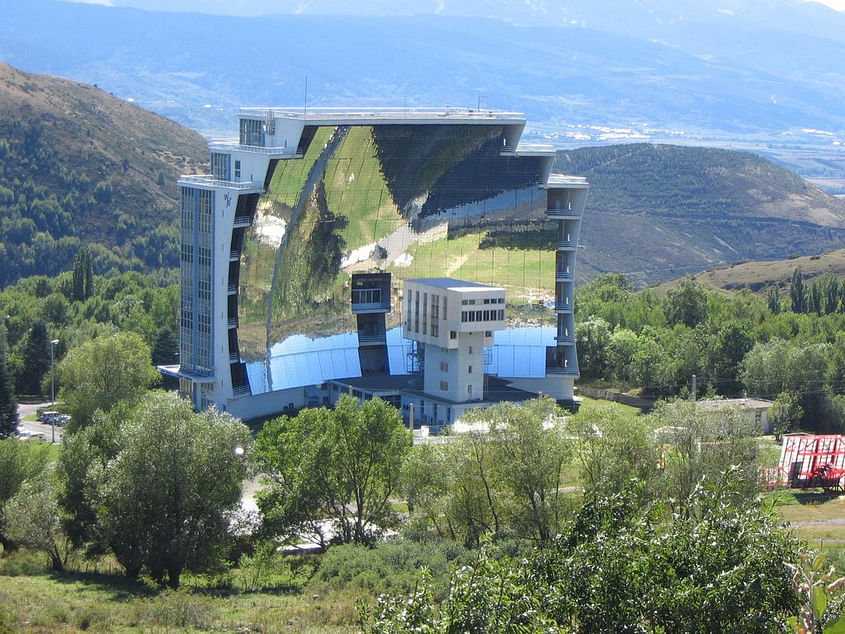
(676, 210)
(79, 166)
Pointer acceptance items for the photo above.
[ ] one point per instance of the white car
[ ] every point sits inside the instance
(25, 434)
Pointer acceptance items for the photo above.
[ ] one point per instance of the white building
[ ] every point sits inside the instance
(452, 321)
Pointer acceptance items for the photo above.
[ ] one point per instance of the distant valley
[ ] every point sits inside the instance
(767, 77)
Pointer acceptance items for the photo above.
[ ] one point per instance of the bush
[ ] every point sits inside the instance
(268, 569)
(391, 566)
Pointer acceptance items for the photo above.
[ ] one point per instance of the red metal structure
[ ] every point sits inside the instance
(813, 461)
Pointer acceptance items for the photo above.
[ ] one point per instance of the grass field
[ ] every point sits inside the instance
(35, 600)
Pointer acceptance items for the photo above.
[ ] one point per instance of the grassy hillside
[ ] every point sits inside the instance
(657, 212)
(78, 165)
(759, 275)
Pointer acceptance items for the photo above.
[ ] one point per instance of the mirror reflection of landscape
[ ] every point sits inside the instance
(411, 200)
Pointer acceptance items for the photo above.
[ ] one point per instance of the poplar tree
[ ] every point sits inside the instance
(83, 275)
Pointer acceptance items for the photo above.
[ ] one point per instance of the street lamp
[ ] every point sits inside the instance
(53, 387)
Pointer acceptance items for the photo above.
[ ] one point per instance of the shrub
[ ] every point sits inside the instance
(391, 566)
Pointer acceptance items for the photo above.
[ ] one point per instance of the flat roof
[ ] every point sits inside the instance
(453, 284)
(741, 403)
(363, 116)
(378, 382)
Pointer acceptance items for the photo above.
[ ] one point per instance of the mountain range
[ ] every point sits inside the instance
(80, 166)
(766, 75)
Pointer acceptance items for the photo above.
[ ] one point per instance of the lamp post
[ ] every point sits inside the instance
(53, 343)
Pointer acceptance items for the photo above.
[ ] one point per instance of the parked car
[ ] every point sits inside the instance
(62, 419)
(49, 417)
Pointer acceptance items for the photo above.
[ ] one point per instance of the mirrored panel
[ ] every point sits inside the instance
(415, 200)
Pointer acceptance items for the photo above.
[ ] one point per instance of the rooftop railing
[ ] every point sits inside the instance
(376, 113)
(211, 181)
(234, 146)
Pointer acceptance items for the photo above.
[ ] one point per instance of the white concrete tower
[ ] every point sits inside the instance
(452, 321)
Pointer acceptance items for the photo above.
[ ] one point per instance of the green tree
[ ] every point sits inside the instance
(651, 365)
(778, 366)
(36, 358)
(35, 519)
(622, 346)
(426, 485)
(699, 443)
(798, 292)
(55, 309)
(341, 465)
(686, 303)
(592, 339)
(528, 456)
(103, 372)
(83, 274)
(164, 501)
(166, 348)
(604, 297)
(722, 568)
(785, 414)
(8, 402)
(85, 453)
(612, 450)
(732, 344)
(773, 300)
(19, 462)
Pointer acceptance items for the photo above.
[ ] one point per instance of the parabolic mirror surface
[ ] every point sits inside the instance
(416, 200)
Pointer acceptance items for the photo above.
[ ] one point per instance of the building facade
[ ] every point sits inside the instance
(297, 247)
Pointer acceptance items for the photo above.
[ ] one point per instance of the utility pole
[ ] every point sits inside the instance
(694, 388)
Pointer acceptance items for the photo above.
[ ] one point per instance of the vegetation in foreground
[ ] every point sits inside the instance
(492, 508)
(592, 523)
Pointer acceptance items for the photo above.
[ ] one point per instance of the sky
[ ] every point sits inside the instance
(258, 7)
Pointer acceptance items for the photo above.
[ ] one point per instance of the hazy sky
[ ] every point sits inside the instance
(257, 7)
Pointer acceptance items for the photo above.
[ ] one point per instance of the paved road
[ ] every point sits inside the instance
(29, 409)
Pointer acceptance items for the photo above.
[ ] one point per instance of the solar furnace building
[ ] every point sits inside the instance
(296, 247)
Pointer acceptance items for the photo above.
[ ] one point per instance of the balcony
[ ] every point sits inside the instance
(564, 275)
(205, 180)
(562, 370)
(359, 308)
(272, 152)
(241, 390)
(232, 323)
(232, 289)
(566, 245)
(234, 256)
(372, 340)
(561, 212)
(564, 305)
(241, 221)
(234, 357)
